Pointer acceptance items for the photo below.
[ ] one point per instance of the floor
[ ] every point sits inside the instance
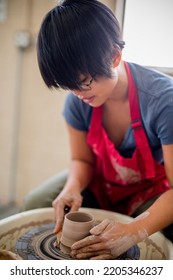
(8, 210)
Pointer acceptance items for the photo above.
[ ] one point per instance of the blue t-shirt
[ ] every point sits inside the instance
(155, 94)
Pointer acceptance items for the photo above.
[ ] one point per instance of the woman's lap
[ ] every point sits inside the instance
(45, 193)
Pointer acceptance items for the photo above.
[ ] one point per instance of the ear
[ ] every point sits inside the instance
(117, 59)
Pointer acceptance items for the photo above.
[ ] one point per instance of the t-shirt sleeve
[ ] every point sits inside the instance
(164, 119)
(75, 113)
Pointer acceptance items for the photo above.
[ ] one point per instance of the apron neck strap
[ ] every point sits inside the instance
(136, 123)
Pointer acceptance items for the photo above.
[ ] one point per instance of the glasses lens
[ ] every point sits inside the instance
(87, 86)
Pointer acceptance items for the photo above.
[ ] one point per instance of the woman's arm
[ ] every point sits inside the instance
(111, 239)
(161, 212)
(80, 174)
(82, 158)
(168, 162)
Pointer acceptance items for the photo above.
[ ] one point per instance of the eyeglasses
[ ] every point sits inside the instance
(87, 86)
(83, 86)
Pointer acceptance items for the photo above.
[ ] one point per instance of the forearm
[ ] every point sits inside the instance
(158, 216)
(80, 175)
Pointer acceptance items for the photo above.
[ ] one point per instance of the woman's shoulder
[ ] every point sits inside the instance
(155, 94)
(77, 113)
(150, 81)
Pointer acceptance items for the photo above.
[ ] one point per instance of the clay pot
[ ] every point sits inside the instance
(76, 227)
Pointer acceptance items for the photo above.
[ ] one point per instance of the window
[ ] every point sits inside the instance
(147, 31)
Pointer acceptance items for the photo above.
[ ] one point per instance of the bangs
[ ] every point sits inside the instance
(72, 41)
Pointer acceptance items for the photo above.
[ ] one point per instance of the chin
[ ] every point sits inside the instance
(96, 104)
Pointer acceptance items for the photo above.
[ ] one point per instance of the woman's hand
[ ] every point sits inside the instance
(70, 199)
(80, 175)
(108, 240)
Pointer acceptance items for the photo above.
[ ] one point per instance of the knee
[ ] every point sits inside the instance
(43, 195)
(34, 200)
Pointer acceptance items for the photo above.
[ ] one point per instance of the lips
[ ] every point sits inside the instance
(88, 100)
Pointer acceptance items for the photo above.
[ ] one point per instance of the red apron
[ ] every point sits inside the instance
(123, 184)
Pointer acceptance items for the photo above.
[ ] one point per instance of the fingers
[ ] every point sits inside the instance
(88, 247)
(96, 255)
(85, 242)
(63, 204)
(108, 240)
(76, 205)
(87, 251)
(59, 215)
(100, 227)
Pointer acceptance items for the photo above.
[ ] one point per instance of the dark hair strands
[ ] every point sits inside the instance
(77, 37)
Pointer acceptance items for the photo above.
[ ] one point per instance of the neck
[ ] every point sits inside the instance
(119, 93)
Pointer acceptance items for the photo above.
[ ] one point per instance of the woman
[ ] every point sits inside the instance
(119, 119)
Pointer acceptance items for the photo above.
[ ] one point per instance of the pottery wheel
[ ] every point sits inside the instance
(39, 243)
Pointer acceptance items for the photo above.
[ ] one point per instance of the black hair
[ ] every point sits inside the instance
(77, 37)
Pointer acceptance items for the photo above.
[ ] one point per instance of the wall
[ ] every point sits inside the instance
(33, 138)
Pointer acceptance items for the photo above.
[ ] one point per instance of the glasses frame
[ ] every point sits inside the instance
(83, 86)
(87, 86)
